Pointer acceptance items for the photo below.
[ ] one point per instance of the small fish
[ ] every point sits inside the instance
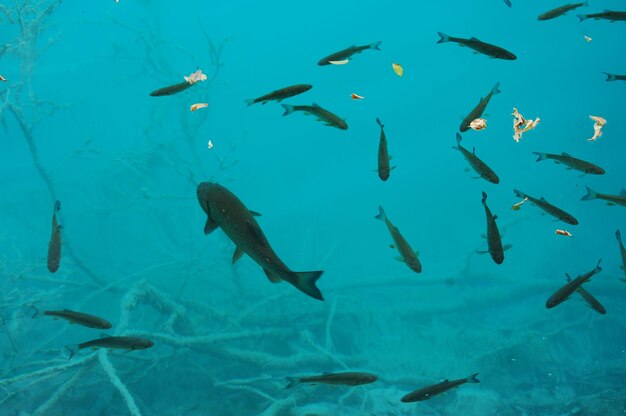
(613, 16)
(478, 165)
(570, 287)
(280, 94)
(589, 298)
(337, 379)
(321, 114)
(428, 392)
(356, 96)
(54, 246)
(397, 68)
(611, 199)
(2, 78)
(479, 46)
(587, 38)
(478, 111)
(563, 232)
(198, 106)
(518, 206)
(494, 242)
(346, 54)
(614, 77)
(226, 211)
(478, 124)
(507, 2)
(384, 169)
(622, 250)
(192, 79)
(408, 256)
(560, 11)
(548, 208)
(117, 343)
(84, 319)
(572, 162)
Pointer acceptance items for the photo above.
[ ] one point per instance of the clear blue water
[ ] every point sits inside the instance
(125, 167)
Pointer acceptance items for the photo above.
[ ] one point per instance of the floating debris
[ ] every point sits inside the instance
(597, 127)
(196, 77)
(563, 232)
(521, 125)
(587, 38)
(198, 106)
(2, 78)
(210, 144)
(342, 57)
(342, 62)
(397, 68)
(478, 124)
(280, 94)
(356, 96)
(518, 206)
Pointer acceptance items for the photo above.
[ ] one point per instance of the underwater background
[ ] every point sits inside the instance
(78, 126)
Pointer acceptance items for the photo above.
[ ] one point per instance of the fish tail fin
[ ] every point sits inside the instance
(519, 193)
(591, 194)
(380, 123)
(496, 89)
(305, 282)
(610, 77)
(443, 37)
(71, 350)
(507, 2)
(484, 200)
(36, 312)
(376, 45)
(618, 235)
(381, 214)
(249, 102)
(582, 17)
(473, 378)
(57, 205)
(292, 382)
(540, 156)
(288, 109)
(458, 140)
(598, 269)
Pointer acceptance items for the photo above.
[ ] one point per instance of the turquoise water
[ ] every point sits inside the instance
(79, 126)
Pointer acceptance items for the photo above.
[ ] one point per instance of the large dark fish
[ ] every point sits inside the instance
(408, 256)
(226, 211)
(478, 165)
(280, 94)
(548, 208)
(570, 287)
(117, 343)
(383, 155)
(428, 392)
(54, 246)
(622, 250)
(494, 242)
(321, 114)
(347, 53)
(84, 319)
(337, 379)
(560, 11)
(172, 89)
(614, 77)
(479, 46)
(478, 111)
(605, 15)
(572, 162)
(611, 199)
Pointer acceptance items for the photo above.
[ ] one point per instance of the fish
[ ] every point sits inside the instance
(548, 208)
(54, 246)
(280, 94)
(589, 299)
(346, 54)
(476, 163)
(611, 199)
(563, 232)
(478, 111)
(611, 15)
(171, 89)
(622, 250)
(479, 46)
(560, 11)
(116, 343)
(321, 114)
(198, 106)
(570, 287)
(428, 392)
(79, 318)
(408, 256)
(226, 211)
(508, 3)
(397, 68)
(383, 155)
(614, 77)
(494, 242)
(572, 162)
(337, 379)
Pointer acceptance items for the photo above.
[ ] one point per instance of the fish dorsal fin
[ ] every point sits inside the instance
(566, 154)
(473, 150)
(506, 247)
(474, 38)
(210, 226)
(543, 199)
(495, 217)
(237, 254)
(568, 277)
(254, 213)
(445, 381)
(256, 231)
(316, 105)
